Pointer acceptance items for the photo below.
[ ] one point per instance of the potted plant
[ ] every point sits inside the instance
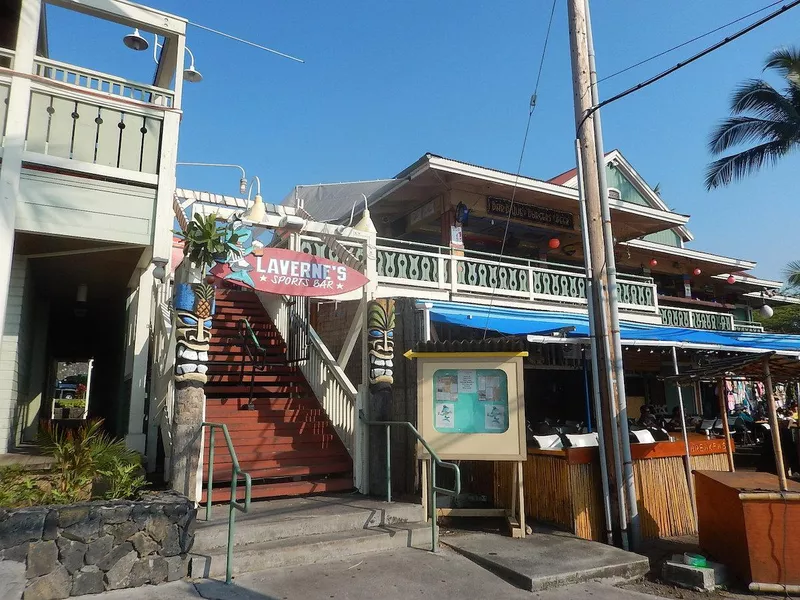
(205, 242)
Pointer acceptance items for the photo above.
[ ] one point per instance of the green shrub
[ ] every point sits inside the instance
(19, 488)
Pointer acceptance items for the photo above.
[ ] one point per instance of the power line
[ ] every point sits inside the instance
(686, 62)
(687, 42)
(522, 154)
(243, 41)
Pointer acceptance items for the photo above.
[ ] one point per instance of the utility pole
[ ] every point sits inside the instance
(601, 271)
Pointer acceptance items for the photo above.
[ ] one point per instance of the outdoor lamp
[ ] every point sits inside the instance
(191, 74)
(766, 311)
(731, 279)
(462, 213)
(365, 224)
(257, 209)
(243, 185)
(159, 268)
(135, 41)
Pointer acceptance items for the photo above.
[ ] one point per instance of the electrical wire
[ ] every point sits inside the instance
(243, 41)
(522, 155)
(687, 42)
(685, 63)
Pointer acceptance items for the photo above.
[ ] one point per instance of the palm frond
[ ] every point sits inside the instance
(785, 61)
(739, 130)
(792, 273)
(760, 98)
(737, 166)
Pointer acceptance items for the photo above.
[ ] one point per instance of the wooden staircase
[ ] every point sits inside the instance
(286, 442)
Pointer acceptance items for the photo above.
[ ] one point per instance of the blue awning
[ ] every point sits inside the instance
(513, 321)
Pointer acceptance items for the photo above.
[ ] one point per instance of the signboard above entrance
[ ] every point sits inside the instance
(280, 271)
(529, 212)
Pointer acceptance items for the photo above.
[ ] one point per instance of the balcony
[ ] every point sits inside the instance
(696, 319)
(408, 269)
(748, 326)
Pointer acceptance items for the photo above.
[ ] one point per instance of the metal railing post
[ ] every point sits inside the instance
(210, 473)
(388, 464)
(434, 510)
(231, 525)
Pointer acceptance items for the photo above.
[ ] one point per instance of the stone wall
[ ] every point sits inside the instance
(88, 548)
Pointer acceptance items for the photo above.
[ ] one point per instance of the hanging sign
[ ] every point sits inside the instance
(529, 212)
(280, 271)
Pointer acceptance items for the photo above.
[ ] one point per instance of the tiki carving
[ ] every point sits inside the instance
(380, 337)
(194, 307)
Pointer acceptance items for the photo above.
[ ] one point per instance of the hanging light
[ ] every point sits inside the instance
(697, 271)
(135, 41)
(257, 209)
(191, 74)
(653, 262)
(554, 243)
(731, 279)
(766, 311)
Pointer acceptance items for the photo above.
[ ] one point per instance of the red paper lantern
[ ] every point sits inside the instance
(554, 243)
(697, 272)
(731, 279)
(653, 262)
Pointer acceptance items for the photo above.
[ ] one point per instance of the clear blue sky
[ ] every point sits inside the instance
(385, 82)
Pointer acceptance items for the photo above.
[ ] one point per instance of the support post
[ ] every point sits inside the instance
(687, 458)
(723, 412)
(19, 99)
(380, 341)
(194, 303)
(602, 278)
(773, 426)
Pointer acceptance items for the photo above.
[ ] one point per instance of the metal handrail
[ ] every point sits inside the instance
(232, 503)
(259, 362)
(433, 489)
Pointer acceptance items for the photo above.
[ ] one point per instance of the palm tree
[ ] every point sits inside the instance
(761, 115)
(792, 273)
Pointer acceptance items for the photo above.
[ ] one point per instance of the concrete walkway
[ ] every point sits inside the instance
(545, 560)
(406, 574)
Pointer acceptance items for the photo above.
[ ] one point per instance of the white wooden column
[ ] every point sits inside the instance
(16, 125)
(138, 352)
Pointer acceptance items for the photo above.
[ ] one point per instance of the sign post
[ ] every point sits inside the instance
(471, 406)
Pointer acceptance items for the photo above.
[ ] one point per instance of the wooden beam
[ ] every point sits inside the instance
(352, 334)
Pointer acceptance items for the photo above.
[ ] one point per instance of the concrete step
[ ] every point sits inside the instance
(311, 549)
(300, 517)
(342, 482)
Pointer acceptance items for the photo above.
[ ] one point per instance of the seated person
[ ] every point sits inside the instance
(647, 418)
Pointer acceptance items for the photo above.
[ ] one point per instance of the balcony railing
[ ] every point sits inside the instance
(102, 82)
(696, 319)
(748, 326)
(70, 127)
(423, 267)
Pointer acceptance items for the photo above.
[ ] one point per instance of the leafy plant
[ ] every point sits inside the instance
(81, 455)
(206, 240)
(19, 488)
(124, 480)
(71, 403)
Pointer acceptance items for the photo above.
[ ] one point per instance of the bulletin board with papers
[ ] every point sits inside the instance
(471, 405)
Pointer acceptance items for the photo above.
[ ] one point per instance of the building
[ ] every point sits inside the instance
(87, 184)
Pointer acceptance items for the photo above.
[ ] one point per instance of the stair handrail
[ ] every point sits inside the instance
(233, 505)
(246, 334)
(435, 461)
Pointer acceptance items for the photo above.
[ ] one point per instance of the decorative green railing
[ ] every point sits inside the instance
(435, 461)
(748, 326)
(412, 265)
(696, 319)
(233, 505)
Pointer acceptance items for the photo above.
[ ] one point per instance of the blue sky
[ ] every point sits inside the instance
(385, 82)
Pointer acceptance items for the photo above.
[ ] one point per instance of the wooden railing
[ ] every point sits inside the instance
(327, 379)
(69, 126)
(423, 267)
(102, 82)
(748, 326)
(696, 319)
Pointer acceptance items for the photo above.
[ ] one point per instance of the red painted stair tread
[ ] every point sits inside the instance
(287, 444)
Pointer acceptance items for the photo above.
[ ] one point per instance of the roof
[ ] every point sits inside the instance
(330, 202)
(782, 369)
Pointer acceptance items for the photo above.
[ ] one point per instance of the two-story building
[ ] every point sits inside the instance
(86, 211)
